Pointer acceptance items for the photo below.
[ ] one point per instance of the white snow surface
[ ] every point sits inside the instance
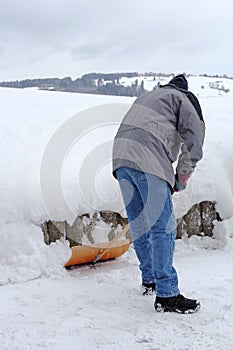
(44, 306)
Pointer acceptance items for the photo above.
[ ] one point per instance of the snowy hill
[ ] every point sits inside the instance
(44, 306)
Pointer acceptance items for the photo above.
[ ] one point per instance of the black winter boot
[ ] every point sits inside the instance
(178, 304)
(148, 288)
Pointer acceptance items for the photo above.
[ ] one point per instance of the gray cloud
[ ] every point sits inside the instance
(71, 37)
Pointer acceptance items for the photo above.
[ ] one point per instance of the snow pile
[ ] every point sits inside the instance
(25, 256)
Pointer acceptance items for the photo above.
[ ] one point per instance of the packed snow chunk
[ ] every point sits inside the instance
(224, 230)
(24, 255)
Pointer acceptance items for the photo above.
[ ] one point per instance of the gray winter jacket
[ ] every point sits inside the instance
(160, 124)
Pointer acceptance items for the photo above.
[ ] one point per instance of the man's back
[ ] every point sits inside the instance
(151, 133)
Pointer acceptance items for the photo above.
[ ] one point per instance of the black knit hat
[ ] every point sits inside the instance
(179, 81)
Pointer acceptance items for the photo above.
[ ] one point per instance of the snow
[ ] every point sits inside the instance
(102, 309)
(45, 306)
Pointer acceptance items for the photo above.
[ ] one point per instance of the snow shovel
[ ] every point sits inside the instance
(83, 254)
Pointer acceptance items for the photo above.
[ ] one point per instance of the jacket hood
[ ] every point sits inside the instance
(179, 81)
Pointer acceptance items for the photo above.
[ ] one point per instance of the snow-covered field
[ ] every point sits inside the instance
(44, 306)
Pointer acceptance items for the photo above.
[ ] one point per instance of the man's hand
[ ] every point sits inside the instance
(180, 182)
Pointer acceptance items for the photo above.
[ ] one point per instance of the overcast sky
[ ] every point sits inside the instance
(56, 38)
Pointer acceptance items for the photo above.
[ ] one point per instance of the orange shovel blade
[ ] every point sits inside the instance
(83, 254)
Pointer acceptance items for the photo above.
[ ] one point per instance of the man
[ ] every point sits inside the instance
(160, 125)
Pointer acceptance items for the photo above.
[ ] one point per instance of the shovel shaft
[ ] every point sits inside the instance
(116, 238)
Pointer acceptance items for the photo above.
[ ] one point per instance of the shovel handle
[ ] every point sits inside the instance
(116, 238)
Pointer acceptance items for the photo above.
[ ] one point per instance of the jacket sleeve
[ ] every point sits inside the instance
(192, 133)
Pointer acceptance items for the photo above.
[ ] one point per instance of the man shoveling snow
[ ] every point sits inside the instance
(159, 123)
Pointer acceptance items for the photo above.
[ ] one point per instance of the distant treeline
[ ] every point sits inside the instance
(225, 76)
(92, 83)
(95, 83)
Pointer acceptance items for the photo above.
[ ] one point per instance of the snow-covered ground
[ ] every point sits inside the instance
(102, 308)
(44, 306)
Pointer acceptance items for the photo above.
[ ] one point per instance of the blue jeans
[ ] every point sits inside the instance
(152, 222)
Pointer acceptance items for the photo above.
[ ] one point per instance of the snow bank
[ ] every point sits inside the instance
(25, 256)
